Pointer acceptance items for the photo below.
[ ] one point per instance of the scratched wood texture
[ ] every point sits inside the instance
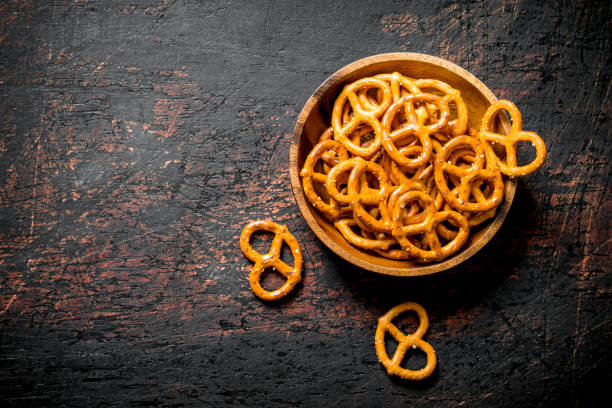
(138, 138)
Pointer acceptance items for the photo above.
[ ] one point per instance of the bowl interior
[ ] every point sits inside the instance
(316, 117)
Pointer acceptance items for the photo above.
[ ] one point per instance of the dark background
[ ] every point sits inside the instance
(138, 138)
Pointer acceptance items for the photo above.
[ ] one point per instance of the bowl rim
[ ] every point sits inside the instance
(296, 186)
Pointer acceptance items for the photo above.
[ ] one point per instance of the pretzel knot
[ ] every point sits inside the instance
(323, 150)
(393, 365)
(510, 141)
(413, 128)
(363, 114)
(457, 126)
(272, 258)
(426, 223)
(468, 177)
(359, 193)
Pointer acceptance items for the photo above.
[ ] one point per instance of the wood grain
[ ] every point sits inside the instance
(138, 138)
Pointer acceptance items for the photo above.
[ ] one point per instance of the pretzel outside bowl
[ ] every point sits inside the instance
(272, 258)
(510, 166)
(414, 340)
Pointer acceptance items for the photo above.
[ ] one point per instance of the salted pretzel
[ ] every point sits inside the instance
(400, 173)
(412, 128)
(322, 151)
(487, 136)
(451, 95)
(272, 259)
(466, 155)
(427, 226)
(359, 193)
(405, 341)
(477, 172)
(362, 114)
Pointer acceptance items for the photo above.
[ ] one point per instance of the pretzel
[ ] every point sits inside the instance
(413, 128)
(427, 226)
(272, 259)
(393, 365)
(403, 174)
(458, 125)
(509, 142)
(358, 193)
(459, 198)
(308, 174)
(362, 115)
(473, 219)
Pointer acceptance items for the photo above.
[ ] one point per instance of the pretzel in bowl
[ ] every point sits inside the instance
(459, 198)
(400, 173)
(322, 151)
(405, 341)
(362, 114)
(427, 227)
(272, 259)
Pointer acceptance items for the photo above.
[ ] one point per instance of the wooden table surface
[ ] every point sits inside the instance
(138, 138)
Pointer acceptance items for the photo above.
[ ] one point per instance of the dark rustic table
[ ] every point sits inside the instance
(138, 138)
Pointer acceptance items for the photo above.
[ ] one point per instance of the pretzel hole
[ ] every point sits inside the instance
(452, 181)
(432, 113)
(347, 113)
(452, 106)
(486, 188)
(329, 158)
(407, 322)
(261, 241)
(378, 235)
(271, 279)
(407, 140)
(321, 192)
(367, 139)
(452, 111)
(374, 95)
(356, 229)
(525, 153)
(414, 359)
(319, 167)
(372, 181)
(499, 150)
(496, 126)
(418, 151)
(319, 188)
(473, 199)
(464, 158)
(398, 121)
(286, 256)
(419, 241)
(452, 228)
(395, 246)
(372, 210)
(362, 136)
(496, 122)
(412, 213)
(390, 345)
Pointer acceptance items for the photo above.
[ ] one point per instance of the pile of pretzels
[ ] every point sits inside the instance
(400, 173)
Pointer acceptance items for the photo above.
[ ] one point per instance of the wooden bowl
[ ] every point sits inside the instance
(316, 117)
